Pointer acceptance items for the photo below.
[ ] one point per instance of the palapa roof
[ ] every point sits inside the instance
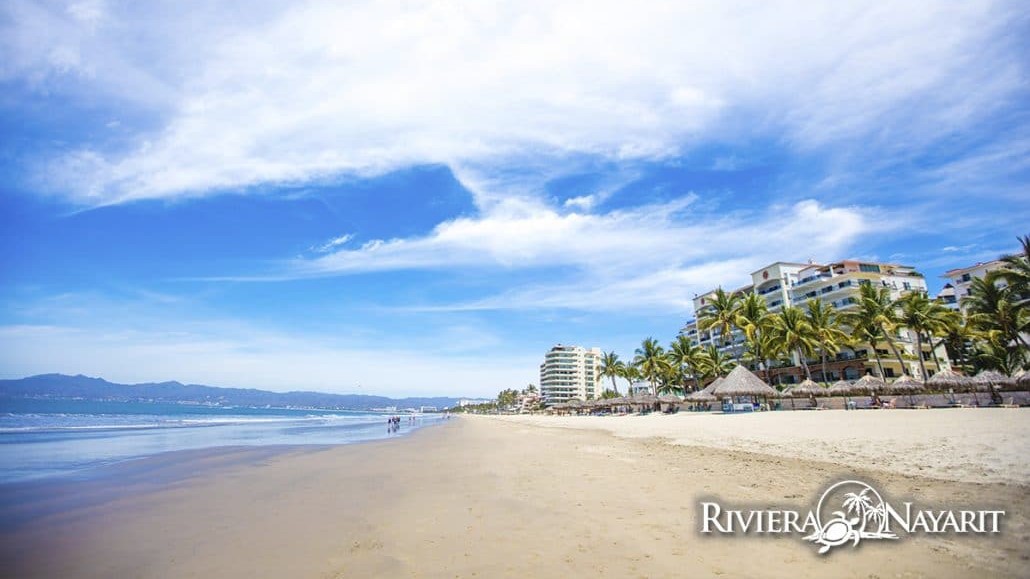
(701, 396)
(992, 378)
(870, 383)
(948, 379)
(742, 382)
(1022, 378)
(842, 388)
(907, 384)
(669, 399)
(807, 388)
(711, 387)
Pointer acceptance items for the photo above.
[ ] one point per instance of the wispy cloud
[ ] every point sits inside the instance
(652, 256)
(298, 92)
(332, 244)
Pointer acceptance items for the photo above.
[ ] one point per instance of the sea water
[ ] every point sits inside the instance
(42, 438)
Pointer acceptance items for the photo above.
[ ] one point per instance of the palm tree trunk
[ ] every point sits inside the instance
(823, 352)
(876, 354)
(919, 350)
(804, 364)
(897, 354)
(614, 386)
(933, 352)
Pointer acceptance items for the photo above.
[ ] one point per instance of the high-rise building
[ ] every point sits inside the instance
(570, 373)
(962, 278)
(837, 285)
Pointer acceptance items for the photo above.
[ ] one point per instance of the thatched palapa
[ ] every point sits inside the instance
(948, 379)
(871, 384)
(741, 382)
(807, 388)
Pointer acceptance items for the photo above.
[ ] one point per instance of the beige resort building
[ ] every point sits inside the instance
(836, 284)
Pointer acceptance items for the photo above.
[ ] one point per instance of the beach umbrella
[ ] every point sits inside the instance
(870, 383)
(669, 399)
(808, 388)
(946, 379)
(907, 385)
(1022, 379)
(742, 382)
(993, 379)
(949, 380)
(841, 388)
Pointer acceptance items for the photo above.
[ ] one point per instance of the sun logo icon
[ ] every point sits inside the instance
(863, 515)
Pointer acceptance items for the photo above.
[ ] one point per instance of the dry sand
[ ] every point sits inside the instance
(489, 497)
(960, 444)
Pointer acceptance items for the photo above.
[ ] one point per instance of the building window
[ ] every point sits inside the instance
(966, 277)
(907, 285)
(870, 268)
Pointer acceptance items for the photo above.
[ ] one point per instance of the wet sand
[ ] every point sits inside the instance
(489, 497)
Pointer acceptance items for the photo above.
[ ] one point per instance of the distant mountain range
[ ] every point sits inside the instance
(84, 387)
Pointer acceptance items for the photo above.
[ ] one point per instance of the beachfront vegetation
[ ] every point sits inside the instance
(612, 367)
(991, 333)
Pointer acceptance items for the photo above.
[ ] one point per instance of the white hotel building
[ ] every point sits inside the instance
(570, 372)
(961, 280)
(837, 285)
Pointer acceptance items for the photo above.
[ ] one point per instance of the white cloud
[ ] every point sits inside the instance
(303, 91)
(647, 257)
(332, 244)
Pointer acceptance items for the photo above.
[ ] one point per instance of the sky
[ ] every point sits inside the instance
(412, 197)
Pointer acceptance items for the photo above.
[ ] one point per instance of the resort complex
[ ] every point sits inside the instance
(570, 373)
(837, 286)
(861, 326)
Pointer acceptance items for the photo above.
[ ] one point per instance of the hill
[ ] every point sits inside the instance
(85, 387)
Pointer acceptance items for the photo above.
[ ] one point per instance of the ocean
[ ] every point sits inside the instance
(42, 439)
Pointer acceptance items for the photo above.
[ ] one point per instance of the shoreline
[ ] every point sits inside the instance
(489, 497)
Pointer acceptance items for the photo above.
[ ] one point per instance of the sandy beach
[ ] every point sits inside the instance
(546, 497)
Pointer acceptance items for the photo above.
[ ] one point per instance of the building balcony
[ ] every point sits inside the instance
(810, 279)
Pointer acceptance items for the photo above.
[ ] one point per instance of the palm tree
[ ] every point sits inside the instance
(924, 317)
(792, 329)
(651, 361)
(874, 317)
(754, 320)
(630, 374)
(764, 347)
(826, 330)
(722, 316)
(956, 337)
(612, 367)
(1017, 271)
(684, 355)
(714, 363)
(996, 311)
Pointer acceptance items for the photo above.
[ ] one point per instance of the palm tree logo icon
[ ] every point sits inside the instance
(863, 515)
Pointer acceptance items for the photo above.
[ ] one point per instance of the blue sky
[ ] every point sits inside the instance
(416, 197)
